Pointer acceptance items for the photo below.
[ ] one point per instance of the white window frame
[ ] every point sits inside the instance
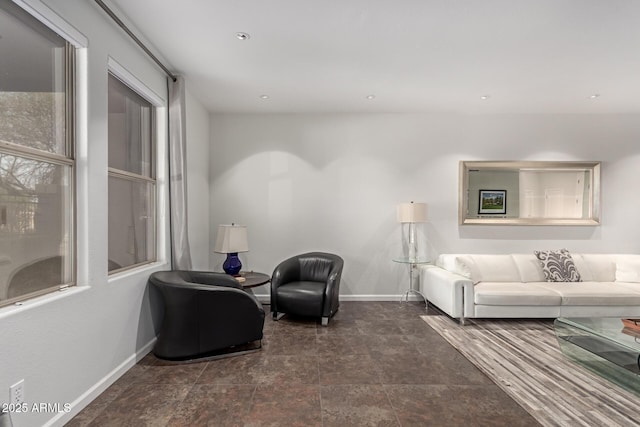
(158, 151)
(74, 41)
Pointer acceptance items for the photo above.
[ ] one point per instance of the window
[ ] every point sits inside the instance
(36, 157)
(132, 184)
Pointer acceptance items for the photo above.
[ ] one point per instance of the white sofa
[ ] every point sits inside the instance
(514, 286)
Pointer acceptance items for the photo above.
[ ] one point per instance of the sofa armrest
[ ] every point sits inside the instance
(450, 292)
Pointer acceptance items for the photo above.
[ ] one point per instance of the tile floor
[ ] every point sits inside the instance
(377, 364)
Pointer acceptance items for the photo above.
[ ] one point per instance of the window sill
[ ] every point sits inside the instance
(29, 304)
(145, 269)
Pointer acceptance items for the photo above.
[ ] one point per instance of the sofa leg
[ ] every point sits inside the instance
(325, 321)
(277, 316)
(463, 321)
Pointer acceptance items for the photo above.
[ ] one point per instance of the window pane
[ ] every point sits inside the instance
(35, 226)
(129, 130)
(32, 82)
(131, 222)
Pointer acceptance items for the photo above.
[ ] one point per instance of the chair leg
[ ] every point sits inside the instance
(325, 321)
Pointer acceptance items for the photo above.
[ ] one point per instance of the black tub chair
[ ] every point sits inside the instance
(307, 285)
(205, 314)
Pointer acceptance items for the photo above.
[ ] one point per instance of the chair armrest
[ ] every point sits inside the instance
(333, 281)
(213, 278)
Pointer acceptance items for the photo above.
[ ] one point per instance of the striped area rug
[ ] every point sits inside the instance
(523, 358)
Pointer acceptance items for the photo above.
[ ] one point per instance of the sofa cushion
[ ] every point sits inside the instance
(491, 268)
(529, 268)
(583, 268)
(593, 293)
(631, 286)
(514, 293)
(454, 264)
(628, 268)
(602, 267)
(558, 266)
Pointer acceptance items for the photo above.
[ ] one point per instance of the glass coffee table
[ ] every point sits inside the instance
(604, 346)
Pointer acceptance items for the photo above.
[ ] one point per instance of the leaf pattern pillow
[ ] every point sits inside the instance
(558, 266)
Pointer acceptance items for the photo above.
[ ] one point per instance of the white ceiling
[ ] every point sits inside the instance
(529, 56)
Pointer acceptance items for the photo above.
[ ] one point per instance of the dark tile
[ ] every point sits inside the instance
(348, 369)
(363, 311)
(339, 327)
(377, 363)
(290, 405)
(143, 405)
(414, 326)
(93, 409)
(287, 370)
(417, 368)
(452, 406)
(269, 326)
(356, 405)
(214, 405)
(329, 345)
(378, 345)
(430, 343)
(293, 343)
(456, 369)
(378, 327)
(289, 323)
(167, 373)
(243, 369)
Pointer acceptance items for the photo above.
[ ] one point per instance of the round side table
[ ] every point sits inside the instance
(253, 279)
(412, 263)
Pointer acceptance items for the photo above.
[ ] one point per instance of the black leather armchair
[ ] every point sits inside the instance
(204, 313)
(307, 285)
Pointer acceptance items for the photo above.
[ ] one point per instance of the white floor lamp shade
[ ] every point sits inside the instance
(412, 213)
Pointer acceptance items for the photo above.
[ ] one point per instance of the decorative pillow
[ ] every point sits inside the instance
(558, 266)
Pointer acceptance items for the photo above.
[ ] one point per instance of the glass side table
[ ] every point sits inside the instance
(413, 263)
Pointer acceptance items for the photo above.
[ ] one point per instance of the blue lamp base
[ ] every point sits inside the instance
(232, 264)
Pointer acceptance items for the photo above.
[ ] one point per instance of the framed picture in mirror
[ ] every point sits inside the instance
(492, 202)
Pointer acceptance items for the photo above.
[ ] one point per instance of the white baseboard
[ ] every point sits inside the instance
(87, 397)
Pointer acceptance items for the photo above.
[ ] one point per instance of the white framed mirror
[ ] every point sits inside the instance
(529, 193)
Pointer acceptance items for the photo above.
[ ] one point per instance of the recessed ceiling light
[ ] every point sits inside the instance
(264, 96)
(371, 97)
(485, 97)
(243, 36)
(594, 96)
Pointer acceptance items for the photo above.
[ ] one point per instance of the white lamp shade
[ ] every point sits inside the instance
(412, 212)
(231, 239)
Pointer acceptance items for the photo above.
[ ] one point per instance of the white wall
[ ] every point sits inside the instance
(332, 182)
(71, 345)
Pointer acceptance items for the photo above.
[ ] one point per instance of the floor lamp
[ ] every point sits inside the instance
(412, 213)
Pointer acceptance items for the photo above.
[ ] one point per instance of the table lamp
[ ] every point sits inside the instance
(412, 213)
(231, 239)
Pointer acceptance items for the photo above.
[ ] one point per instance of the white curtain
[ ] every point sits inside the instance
(180, 251)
